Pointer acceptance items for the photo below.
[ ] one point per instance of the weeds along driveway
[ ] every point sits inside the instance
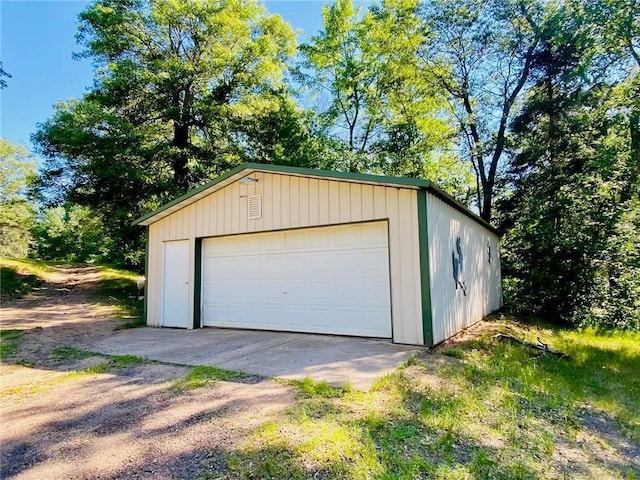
(67, 414)
(337, 360)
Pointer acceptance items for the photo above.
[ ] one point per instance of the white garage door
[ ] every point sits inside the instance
(320, 280)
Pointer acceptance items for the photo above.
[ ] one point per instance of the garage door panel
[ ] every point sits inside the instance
(321, 280)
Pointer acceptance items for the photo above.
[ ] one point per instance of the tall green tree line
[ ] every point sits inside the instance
(572, 220)
(527, 110)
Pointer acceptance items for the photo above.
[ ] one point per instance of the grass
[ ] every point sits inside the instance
(202, 376)
(493, 409)
(9, 340)
(67, 353)
(70, 353)
(311, 388)
(115, 288)
(19, 276)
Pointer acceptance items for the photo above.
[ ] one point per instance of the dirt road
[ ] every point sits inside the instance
(67, 417)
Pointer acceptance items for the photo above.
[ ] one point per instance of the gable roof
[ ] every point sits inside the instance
(245, 169)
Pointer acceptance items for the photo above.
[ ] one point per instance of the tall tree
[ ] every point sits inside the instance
(72, 234)
(371, 97)
(572, 219)
(17, 171)
(181, 88)
(617, 25)
(481, 52)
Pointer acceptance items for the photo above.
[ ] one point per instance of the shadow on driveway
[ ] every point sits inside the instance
(333, 359)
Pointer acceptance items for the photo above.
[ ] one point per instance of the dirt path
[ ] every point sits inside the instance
(60, 421)
(60, 312)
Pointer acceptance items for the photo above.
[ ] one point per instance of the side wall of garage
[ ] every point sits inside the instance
(464, 262)
(290, 202)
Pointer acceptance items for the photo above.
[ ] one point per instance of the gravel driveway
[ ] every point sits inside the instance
(72, 419)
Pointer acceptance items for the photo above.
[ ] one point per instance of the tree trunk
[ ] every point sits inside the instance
(180, 158)
(487, 201)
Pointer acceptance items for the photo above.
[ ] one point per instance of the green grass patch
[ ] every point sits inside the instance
(453, 352)
(506, 412)
(203, 376)
(9, 341)
(311, 388)
(115, 288)
(66, 353)
(70, 353)
(124, 361)
(19, 276)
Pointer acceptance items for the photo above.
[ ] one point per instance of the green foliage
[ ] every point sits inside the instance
(72, 234)
(184, 91)
(480, 53)
(377, 106)
(124, 361)
(115, 289)
(453, 352)
(20, 276)
(572, 247)
(506, 412)
(118, 362)
(314, 389)
(67, 352)
(9, 342)
(3, 73)
(17, 172)
(14, 284)
(202, 376)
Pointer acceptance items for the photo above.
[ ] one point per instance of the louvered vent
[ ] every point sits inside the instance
(255, 206)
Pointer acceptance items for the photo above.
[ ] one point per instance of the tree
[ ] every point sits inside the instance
(617, 25)
(181, 88)
(572, 220)
(3, 82)
(71, 233)
(374, 101)
(17, 170)
(481, 53)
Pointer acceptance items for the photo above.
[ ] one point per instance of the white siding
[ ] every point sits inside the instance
(451, 309)
(290, 201)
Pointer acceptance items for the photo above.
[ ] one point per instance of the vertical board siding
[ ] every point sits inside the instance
(452, 310)
(294, 202)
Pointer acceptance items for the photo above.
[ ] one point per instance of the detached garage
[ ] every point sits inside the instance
(281, 248)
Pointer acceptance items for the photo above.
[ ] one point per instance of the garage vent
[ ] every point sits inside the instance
(255, 207)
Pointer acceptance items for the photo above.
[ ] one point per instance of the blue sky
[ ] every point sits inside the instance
(37, 41)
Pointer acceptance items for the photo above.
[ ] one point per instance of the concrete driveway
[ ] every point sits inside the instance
(336, 360)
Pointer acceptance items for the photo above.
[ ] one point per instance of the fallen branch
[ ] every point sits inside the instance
(539, 346)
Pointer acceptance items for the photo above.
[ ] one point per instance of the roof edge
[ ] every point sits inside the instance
(310, 172)
(462, 208)
(189, 194)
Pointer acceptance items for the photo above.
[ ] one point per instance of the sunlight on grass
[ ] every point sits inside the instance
(19, 276)
(312, 388)
(115, 288)
(28, 266)
(502, 411)
(66, 353)
(203, 376)
(69, 353)
(49, 384)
